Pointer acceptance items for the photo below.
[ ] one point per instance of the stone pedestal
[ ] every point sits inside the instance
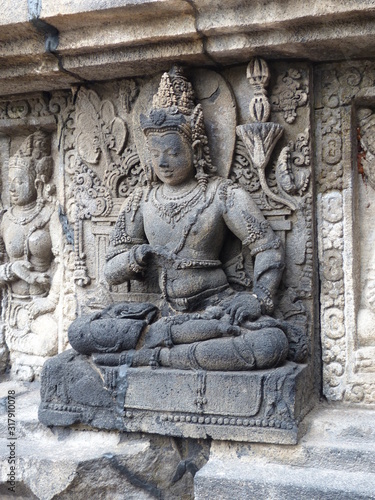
(259, 406)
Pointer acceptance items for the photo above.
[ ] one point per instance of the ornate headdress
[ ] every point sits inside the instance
(33, 157)
(173, 109)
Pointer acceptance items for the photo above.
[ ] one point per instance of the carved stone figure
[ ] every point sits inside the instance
(193, 227)
(29, 248)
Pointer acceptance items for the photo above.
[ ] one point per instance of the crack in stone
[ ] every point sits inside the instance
(51, 36)
(133, 478)
(202, 36)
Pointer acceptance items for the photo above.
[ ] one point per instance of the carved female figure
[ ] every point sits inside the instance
(181, 224)
(28, 232)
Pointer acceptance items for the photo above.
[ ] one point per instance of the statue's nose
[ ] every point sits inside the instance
(163, 163)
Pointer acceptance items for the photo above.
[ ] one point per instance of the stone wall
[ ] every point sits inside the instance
(74, 79)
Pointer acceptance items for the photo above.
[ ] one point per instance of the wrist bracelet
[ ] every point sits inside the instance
(265, 298)
(9, 274)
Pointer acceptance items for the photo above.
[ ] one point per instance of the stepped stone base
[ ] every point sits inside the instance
(259, 406)
(57, 463)
(335, 460)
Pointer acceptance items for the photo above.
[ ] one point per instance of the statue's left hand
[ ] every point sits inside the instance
(243, 307)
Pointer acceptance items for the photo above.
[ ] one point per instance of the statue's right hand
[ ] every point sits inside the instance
(22, 269)
(143, 253)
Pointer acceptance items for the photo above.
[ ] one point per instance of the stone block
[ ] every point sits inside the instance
(276, 482)
(243, 406)
(14, 12)
(69, 15)
(140, 60)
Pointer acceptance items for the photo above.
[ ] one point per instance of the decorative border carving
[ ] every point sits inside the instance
(340, 88)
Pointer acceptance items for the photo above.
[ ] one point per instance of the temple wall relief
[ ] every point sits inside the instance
(96, 165)
(259, 128)
(257, 121)
(344, 96)
(34, 268)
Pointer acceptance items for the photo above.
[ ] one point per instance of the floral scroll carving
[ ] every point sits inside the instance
(290, 93)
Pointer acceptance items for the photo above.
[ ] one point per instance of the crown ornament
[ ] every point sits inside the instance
(174, 109)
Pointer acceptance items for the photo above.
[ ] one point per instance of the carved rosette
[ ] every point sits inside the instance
(330, 131)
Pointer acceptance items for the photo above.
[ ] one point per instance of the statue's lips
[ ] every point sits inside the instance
(167, 173)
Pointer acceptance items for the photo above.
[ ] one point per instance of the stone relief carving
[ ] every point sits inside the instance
(333, 336)
(35, 107)
(290, 92)
(364, 354)
(118, 172)
(346, 301)
(331, 146)
(217, 298)
(30, 272)
(128, 92)
(96, 133)
(367, 143)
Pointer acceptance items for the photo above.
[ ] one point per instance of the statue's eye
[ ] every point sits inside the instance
(155, 153)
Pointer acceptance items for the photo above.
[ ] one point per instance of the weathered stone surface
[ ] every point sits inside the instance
(57, 463)
(335, 459)
(264, 406)
(14, 13)
(93, 37)
(30, 274)
(345, 228)
(199, 243)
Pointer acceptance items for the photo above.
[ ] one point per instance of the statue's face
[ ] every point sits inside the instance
(172, 158)
(21, 187)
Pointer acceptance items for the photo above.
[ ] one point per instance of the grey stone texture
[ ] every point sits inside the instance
(334, 460)
(122, 39)
(48, 46)
(224, 307)
(81, 463)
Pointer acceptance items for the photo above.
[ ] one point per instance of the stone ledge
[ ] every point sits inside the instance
(259, 406)
(265, 481)
(334, 460)
(137, 37)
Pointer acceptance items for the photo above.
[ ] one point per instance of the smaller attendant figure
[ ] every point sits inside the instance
(29, 247)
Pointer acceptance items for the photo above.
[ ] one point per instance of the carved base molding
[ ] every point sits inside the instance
(261, 406)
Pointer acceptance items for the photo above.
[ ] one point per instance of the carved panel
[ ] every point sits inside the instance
(100, 146)
(345, 228)
(290, 93)
(31, 268)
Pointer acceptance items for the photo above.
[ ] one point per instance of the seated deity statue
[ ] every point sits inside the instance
(28, 252)
(180, 224)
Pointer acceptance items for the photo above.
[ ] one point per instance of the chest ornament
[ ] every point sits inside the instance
(173, 209)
